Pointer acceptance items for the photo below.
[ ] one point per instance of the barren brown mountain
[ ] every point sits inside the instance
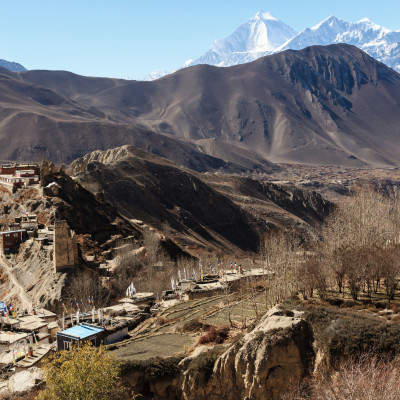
(206, 210)
(320, 105)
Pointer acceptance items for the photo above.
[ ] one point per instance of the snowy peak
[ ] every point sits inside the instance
(331, 22)
(334, 30)
(377, 41)
(324, 33)
(264, 15)
(263, 33)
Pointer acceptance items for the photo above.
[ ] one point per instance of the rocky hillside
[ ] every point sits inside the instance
(274, 357)
(97, 224)
(330, 105)
(206, 209)
(289, 343)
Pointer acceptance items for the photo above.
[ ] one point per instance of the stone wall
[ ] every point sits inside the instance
(65, 246)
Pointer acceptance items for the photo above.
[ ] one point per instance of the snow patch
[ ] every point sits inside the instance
(264, 34)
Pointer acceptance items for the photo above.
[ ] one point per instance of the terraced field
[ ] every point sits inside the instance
(163, 335)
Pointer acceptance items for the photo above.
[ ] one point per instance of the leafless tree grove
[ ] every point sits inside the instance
(367, 377)
(358, 247)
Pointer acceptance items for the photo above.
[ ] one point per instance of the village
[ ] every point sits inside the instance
(30, 333)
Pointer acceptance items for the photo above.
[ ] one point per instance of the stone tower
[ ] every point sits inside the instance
(65, 246)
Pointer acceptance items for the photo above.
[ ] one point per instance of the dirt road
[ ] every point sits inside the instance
(24, 301)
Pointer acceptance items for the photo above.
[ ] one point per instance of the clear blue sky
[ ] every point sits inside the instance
(123, 38)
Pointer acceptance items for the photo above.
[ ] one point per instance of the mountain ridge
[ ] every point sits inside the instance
(12, 66)
(323, 105)
(379, 42)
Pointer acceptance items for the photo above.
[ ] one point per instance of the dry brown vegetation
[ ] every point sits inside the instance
(214, 335)
(357, 251)
(367, 377)
(83, 285)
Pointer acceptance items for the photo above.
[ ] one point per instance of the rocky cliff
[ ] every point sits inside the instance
(266, 362)
(262, 365)
(212, 210)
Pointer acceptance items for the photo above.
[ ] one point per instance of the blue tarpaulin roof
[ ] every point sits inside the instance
(82, 331)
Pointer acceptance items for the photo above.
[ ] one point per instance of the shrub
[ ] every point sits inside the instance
(346, 333)
(335, 302)
(349, 303)
(83, 372)
(162, 320)
(194, 325)
(363, 378)
(214, 335)
(154, 368)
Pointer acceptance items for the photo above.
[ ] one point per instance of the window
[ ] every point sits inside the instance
(66, 345)
(92, 340)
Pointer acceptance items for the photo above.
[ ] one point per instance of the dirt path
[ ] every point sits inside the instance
(25, 303)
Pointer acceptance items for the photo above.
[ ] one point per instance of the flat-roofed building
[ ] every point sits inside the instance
(18, 175)
(11, 239)
(79, 334)
(8, 339)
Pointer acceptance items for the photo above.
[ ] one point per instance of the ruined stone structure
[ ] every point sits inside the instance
(65, 246)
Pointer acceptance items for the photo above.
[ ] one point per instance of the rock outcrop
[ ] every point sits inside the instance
(271, 359)
(215, 210)
(264, 364)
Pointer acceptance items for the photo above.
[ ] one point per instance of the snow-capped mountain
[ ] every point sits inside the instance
(264, 34)
(378, 42)
(259, 36)
(12, 66)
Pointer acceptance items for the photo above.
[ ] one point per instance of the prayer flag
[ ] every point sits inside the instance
(11, 310)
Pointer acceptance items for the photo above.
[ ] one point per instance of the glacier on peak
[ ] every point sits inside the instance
(260, 35)
(265, 15)
(264, 34)
(377, 41)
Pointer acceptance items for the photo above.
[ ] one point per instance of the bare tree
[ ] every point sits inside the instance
(151, 241)
(365, 378)
(82, 287)
(282, 258)
(359, 229)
